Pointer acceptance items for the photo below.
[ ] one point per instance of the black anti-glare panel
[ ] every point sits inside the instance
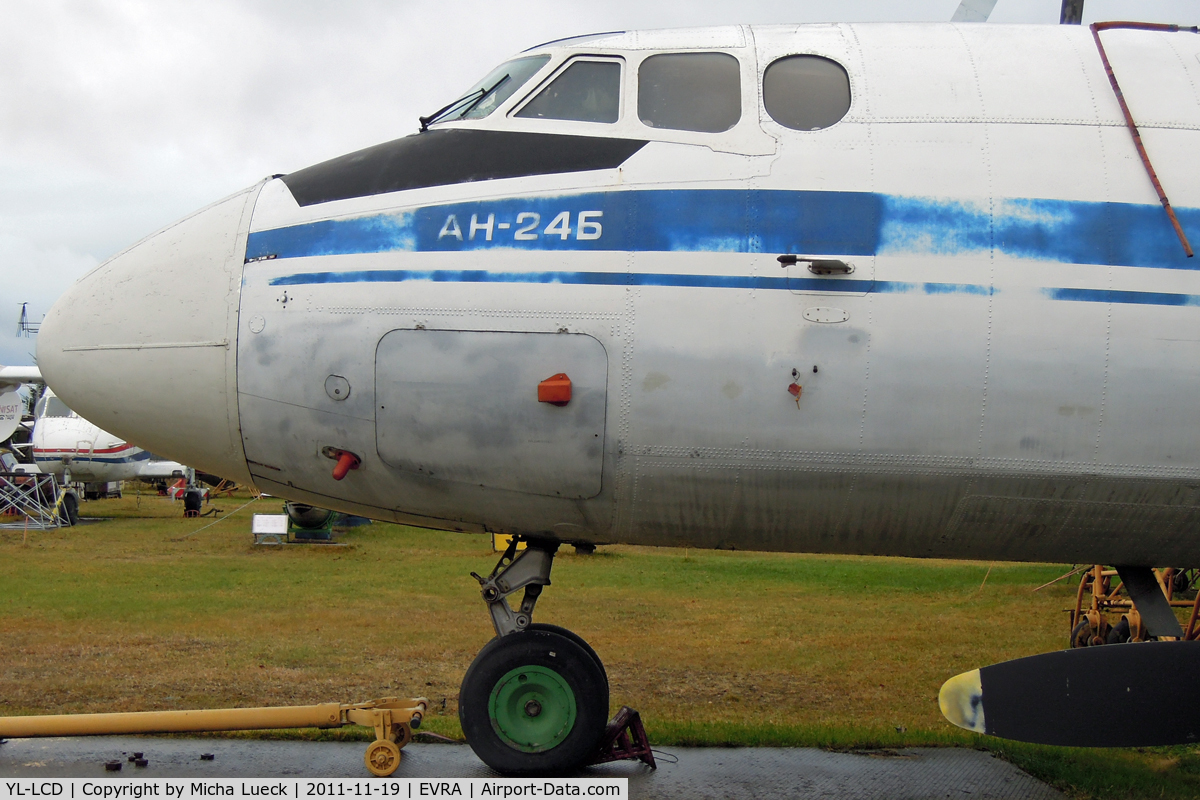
(440, 158)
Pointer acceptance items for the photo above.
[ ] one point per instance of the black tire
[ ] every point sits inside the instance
(193, 501)
(68, 512)
(1119, 633)
(579, 640)
(1082, 634)
(515, 681)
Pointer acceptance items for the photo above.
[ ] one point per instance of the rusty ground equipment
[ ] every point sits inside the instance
(224, 487)
(1100, 597)
(393, 719)
(625, 740)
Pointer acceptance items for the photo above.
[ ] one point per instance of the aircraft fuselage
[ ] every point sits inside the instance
(994, 354)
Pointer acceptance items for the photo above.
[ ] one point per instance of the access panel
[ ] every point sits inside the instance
(463, 406)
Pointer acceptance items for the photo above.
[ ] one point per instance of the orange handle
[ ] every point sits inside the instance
(346, 462)
(555, 390)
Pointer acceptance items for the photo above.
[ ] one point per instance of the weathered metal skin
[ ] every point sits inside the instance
(1008, 372)
(145, 344)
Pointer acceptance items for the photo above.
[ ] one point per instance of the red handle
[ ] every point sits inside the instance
(346, 462)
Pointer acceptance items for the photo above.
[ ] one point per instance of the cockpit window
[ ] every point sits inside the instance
(586, 91)
(806, 93)
(690, 92)
(50, 406)
(484, 97)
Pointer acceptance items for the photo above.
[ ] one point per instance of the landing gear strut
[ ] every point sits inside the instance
(535, 699)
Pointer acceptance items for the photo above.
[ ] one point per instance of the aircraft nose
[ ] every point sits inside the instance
(145, 345)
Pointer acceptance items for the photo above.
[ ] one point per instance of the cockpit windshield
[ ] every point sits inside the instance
(51, 406)
(486, 96)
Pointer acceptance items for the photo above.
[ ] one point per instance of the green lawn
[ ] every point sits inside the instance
(712, 647)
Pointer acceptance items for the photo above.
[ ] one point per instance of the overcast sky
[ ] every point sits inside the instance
(118, 117)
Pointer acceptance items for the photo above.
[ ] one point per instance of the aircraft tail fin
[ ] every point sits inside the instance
(973, 11)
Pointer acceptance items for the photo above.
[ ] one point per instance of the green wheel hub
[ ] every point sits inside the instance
(532, 709)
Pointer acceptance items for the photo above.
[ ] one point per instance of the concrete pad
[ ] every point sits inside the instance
(697, 773)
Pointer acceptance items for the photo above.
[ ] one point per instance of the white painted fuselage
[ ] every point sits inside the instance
(1010, 371)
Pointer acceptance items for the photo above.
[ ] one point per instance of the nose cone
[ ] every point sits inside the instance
(145, 345)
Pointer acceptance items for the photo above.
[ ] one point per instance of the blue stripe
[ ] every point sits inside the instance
(571, 278)
(1118, 296)
(899, 287)
(808, 285)
(847, 223)
(835, 285)
(141, 456)
(752, 221)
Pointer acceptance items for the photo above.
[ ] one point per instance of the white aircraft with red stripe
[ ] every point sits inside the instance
(74, 449)
(65, 443)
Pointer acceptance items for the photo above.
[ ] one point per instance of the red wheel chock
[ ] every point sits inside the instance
(625, 739)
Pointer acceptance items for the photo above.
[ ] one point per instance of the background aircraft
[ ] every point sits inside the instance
(71, 448)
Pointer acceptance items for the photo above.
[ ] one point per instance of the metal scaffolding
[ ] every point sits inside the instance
(28, 501)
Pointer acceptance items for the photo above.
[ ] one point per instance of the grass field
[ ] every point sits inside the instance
(143, 612)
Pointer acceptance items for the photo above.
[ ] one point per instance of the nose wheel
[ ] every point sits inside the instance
(534, 703)
(535, 699)
(577, 639)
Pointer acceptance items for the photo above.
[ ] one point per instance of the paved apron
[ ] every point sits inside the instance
(700, 772)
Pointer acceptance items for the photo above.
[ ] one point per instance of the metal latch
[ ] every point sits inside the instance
(818, 266)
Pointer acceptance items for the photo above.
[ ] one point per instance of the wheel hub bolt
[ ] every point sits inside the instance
(533, 708)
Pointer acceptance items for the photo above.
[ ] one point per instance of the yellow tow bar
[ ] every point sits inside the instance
(393, 719)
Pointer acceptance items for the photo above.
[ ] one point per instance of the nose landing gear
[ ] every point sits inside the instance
(535, 699)
(533, 703)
